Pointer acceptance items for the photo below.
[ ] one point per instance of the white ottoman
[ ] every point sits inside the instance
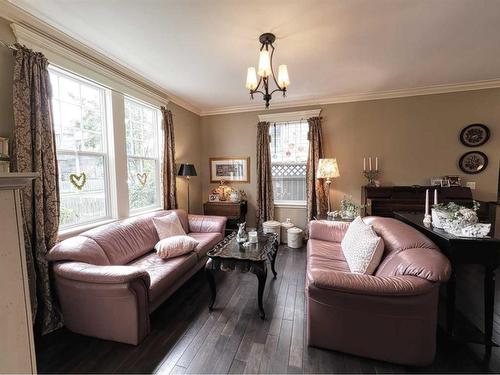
(272, 227)
(295, 236)
(284, 230)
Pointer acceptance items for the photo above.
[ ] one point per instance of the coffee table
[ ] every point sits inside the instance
(229, 255)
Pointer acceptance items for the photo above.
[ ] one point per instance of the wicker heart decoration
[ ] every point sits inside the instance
(78, 180)
(143, 178)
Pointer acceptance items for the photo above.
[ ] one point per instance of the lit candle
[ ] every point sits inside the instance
(427, 201)
(376, 163)
(370, 163)
(435, 196)
(364, 164)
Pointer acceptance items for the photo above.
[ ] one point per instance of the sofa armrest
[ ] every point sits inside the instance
(100, 274)
(207, 224)
(332, 231)
(356, 283)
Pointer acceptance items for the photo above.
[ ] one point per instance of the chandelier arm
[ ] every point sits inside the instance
(272, 70)
(278, 89)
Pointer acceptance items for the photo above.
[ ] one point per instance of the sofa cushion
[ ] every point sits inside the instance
(164, 272)
(175, 246)
(168, 226)
(206, 241)
(325, 256)
(362, 248)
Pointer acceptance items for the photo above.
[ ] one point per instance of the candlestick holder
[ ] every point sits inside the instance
(371, 176)
(427, 220)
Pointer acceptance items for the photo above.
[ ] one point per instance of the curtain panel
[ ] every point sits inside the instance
(34, 151)
(169, 187)
(265, 198)
(316, 192)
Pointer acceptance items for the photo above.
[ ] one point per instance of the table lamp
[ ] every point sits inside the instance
(187, 170)
(328, 168)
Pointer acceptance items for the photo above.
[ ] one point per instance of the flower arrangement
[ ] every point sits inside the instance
(348, 209)
(459, 220)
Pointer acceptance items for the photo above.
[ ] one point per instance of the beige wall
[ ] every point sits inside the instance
(415, 138)
(188, 150)
(6, 73)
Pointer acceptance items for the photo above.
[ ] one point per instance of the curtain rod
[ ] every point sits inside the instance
(10, 46)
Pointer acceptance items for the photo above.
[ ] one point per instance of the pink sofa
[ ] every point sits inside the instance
(109, 279)
(390, 316)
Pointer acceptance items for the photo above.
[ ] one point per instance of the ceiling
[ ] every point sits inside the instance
(199, 50)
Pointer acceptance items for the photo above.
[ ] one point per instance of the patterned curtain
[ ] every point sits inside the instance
(169, 188)
(265, 199)
(316, 192)
(34, 151)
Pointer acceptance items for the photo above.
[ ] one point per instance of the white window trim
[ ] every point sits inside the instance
(108, 147)
(289, 116)
(117, 169)
(159, 179)
(290, 204)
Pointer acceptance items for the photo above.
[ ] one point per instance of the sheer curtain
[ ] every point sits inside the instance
(34, 151)
(169, 187)
(316, 193)
(265, 199)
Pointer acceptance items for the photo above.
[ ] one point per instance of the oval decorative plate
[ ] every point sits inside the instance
(473, 162)
(474, 135)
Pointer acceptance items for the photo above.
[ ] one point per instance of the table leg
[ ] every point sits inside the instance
(450, 301)
(273, 261)
(261, 272)
(209, 272)
(489, 307)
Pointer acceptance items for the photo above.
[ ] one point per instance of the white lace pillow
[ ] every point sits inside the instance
(168, 226)
(175, 246)
(362, 247)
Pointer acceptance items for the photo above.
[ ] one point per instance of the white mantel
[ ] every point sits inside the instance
(17, 344)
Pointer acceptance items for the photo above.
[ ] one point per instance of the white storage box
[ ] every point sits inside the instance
(272, 227)
(284, 230)
(295, 236)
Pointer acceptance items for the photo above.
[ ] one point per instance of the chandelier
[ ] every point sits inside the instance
(265, 71)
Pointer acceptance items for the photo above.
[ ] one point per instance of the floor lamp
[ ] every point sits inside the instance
(188, 171)
(328, 168)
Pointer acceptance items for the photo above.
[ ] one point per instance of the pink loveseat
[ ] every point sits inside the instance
(109, 279)
(391, 315)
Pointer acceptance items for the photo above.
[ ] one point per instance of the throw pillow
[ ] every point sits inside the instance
(175, 246)
(362, 247)
(168, 226)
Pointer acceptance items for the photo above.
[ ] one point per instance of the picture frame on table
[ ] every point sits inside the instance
(230, 169)
(436, 181)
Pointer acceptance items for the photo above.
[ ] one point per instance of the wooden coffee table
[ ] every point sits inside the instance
(229, 255)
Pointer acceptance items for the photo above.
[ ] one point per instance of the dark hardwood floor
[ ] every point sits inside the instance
(186, 338)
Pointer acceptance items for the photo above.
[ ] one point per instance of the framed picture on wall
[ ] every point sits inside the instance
(229, 169)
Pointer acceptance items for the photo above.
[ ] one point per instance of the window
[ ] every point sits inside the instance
(143, 157)
(80, 124)
(289, 149)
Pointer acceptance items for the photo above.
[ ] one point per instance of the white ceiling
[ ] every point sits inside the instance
(199, 50)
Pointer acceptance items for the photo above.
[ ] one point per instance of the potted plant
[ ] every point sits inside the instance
(348, 209)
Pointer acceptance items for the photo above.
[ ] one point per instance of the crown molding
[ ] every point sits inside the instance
(31, 30)
(289, 116)
(377, 95)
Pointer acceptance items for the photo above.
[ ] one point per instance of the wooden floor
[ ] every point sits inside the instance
(186, 338)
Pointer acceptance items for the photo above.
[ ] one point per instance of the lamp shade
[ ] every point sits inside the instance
(327, 168)
(187, 170)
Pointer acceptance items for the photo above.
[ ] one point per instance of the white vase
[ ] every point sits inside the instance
(439, 218)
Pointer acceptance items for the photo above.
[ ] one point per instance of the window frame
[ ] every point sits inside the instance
(106, 107)
(285, 203)
(158, 159)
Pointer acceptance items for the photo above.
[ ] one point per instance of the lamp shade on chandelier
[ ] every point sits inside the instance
(265, 72)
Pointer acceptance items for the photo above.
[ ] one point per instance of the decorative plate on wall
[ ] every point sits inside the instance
(474, 135)
(473, 162)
